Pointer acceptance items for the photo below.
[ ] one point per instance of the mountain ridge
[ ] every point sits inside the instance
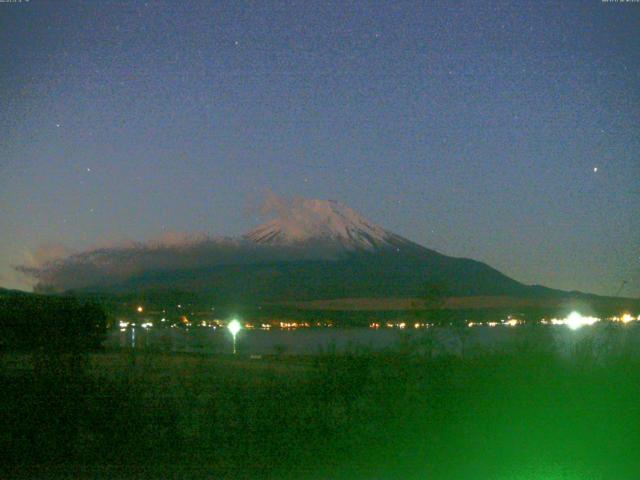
(312, 250)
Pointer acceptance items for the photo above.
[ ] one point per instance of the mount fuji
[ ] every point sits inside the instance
(316, 222)
(312, 253)
(316, 250)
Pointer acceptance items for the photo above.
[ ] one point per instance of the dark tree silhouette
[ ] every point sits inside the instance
(52, 324)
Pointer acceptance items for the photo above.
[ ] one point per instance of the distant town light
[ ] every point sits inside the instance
(626, 318)
(140, 309)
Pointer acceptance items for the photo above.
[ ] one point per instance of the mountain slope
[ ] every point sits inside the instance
(316, 249)
(328, 222)
(312, 250)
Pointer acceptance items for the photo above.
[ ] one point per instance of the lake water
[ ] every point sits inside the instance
(319, 340)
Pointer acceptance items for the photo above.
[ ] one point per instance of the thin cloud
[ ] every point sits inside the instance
(109, 266)
(55, 268)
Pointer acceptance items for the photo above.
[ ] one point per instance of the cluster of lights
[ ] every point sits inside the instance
(290, 325)
(625, 318)
(574, 321)
(401, 325)
(510, 322)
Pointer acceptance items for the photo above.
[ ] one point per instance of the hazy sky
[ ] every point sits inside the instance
(508, 133)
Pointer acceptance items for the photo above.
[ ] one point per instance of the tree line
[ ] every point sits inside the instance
(50, 323)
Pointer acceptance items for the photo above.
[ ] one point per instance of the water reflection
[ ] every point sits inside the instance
(323, 340)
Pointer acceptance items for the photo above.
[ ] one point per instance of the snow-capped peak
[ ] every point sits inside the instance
(304, 221)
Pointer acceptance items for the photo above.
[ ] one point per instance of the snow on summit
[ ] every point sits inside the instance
(303, 221)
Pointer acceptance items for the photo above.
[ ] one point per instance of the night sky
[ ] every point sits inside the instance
(505, 133)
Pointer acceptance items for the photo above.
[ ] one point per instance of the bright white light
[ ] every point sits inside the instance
(626, 318)
(574, 321)
(234, 327)
(140, 309)
(147, 325)
(124, 324)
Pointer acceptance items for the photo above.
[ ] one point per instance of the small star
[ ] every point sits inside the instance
(595, 169)
(306, 179)
(91, 210)
(236, 43)
(57, 125)
(88, 169)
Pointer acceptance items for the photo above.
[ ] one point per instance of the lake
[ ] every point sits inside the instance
(307, 341)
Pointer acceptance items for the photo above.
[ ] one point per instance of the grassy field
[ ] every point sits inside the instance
(524, 414)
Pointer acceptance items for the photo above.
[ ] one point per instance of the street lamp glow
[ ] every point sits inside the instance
(234, 327)
(574, 321)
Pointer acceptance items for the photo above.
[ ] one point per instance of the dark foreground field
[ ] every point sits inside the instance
(525, 414)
